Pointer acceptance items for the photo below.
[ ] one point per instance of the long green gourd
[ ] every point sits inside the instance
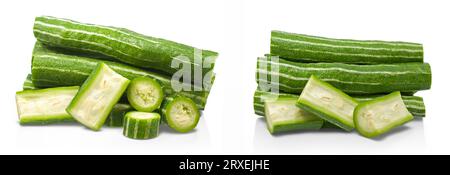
(45, 106)
(97, 97)
(352, 79)
(124, 45)
(299, 47)
(51, 68)
(380, 115)
(414, 104)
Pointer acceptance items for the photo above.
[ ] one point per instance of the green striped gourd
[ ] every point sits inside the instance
(51, 68)
(122, 44)
(352, 79)
(141, 125)
(298, 47)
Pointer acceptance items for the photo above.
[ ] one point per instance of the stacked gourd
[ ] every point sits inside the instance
(100, 75)
(310, 82)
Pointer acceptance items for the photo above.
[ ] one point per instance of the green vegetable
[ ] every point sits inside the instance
(180, 113)
(283, 115)
(259, 98)
(145, 94)
(44, 106)
(328, 125)
(28, 84)
(328, 103)
(115, 118)
(414, 104)
(97, 96)
(298, 47)
(378, 116)
(51, 68)
(352, 79)
(124, 45)
(141, 125)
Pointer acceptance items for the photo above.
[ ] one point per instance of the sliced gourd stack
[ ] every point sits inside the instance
(125, 79)
(333, 77)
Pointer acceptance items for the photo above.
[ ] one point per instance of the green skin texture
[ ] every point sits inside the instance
(115, 118)
(146, 128)
(357, 79)
(28, 84)
(122, 44)
(169, 103)
(292, 125)
(359, 108)
(133, 96)
(47, 119)
(52, 68)
(327, 114)
(86, 89)
(414, 104)
(306, 48)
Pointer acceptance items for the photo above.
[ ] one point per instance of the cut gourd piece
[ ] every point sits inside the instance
(97, 96)
(145, 94)
(283, 115)
(378, 116)
(141, 125)
(328, 103)
(180, 113)
(44, 105)
(115, 118)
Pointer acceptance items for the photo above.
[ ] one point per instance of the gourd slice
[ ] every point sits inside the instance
(378, 116)
(328, 103)
(283, 115)
(44, 106)
(97, 96)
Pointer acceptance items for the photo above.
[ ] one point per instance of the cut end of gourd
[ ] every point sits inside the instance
(44, 105)
(283, 115)
(378, 116)
(96, 98)
(145, 94)
(333, 105)
(182, 114)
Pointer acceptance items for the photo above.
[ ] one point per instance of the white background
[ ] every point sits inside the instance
(239, 31)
